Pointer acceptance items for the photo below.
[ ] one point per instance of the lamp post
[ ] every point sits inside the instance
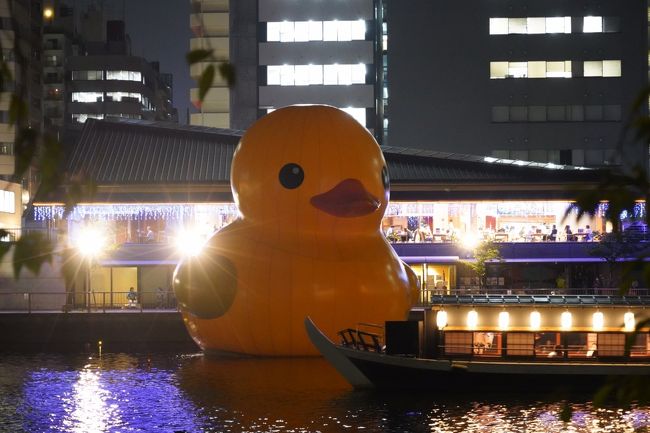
(89, 242)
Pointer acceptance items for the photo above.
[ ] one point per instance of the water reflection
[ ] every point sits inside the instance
(190, 393)
(268, 394)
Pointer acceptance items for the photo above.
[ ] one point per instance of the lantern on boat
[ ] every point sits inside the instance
(472, 319)
(441, 319)
(597, 321)
(504, 320)
(629, 321)
(535, 320)
(566, 320)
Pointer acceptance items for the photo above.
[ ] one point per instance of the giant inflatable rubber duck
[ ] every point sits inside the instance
(311, 185)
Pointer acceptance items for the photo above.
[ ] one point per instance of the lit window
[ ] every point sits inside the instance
(315, 30)
(273, 75)
(286, 31)
(87, 96)
(82, 117)
(359, 114)
(286, 75)
(330, 74)
(120, 96)
(315, 74)
(611, 68)
(330, 31)
(517, 26)
(593, 69)
(344, 74)
(358, 30)
(558, 69)
(305, 75)
(124, 75)
(273, 32)
(498, 70)
(536, 26)
(344, 31)
(536, 69)
(7, 201)
(518, 69)
(359, 74)
(592, 25)
(301, 31)
(302, 75)
(498, 26)
(558, 25)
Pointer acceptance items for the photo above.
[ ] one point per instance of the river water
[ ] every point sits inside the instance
(164, 392)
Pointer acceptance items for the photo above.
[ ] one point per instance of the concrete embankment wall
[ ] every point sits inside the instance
(77, 332)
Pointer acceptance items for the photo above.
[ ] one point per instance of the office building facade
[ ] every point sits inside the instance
(543, 81)
(287, 52)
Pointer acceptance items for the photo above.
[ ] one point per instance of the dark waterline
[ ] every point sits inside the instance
(188, 392)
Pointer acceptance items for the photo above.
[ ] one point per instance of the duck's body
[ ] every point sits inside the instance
(307, 244)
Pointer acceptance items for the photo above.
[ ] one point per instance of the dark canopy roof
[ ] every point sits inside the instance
(176, 162)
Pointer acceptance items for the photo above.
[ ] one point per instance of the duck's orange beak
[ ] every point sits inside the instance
(346, 200)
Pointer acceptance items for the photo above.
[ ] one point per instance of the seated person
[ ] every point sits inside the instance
(132, 297)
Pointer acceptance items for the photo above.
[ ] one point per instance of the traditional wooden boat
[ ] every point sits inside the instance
(497, 342)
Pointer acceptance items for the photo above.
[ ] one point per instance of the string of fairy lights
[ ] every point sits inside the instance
(136, 212)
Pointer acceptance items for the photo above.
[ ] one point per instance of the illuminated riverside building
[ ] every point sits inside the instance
(174, 181)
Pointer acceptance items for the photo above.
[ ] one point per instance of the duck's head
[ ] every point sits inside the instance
(309, 168)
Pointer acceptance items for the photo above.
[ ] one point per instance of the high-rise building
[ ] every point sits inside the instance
(58, 44)
(527, 80)
(210, 23)
(20, 38)
(547, 82)
(105, 80)
(287, 52)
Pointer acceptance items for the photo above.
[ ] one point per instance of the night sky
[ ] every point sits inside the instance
(160, 31)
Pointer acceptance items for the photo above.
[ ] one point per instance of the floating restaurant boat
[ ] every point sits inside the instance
(495, 342)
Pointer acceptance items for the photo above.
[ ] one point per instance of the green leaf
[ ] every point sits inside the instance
(17, 110)
(228, 73)
(25, 147)
(31, 251)
(199, 55)
(205, 81)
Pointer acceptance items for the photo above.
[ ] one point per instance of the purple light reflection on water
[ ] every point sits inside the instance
(112, 394)
(169, 393)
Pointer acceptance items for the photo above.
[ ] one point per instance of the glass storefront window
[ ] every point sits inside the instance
(503, 221)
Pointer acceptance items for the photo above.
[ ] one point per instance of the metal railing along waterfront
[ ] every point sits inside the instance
(433, 296)
(94, 301)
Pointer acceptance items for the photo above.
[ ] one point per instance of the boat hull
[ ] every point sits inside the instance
(366, 369)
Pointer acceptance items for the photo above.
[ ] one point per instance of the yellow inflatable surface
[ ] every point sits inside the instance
(311, 185)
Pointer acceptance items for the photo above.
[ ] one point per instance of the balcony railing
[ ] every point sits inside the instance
(93, 301)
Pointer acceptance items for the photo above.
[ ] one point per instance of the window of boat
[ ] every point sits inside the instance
(487, 344)
(611, 344)
(581, 344)
(458, 343)
(548, 344)
(640, 345)
(520, 343)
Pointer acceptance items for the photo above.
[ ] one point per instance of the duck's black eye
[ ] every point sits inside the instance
(385, 179)
(291, 176)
